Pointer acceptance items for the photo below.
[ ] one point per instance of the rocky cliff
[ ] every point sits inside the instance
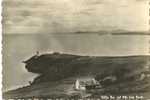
(56, 66)
(58, 72)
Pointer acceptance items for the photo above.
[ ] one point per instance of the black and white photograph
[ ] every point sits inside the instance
(76, 50)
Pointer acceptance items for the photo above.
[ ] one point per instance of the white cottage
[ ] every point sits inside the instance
(81, 83)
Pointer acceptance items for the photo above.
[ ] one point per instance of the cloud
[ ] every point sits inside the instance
(57, 16)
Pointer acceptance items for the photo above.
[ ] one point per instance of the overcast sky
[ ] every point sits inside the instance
(57, 16)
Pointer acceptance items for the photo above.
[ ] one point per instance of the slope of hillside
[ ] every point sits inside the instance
(56, 66)
(58, 73)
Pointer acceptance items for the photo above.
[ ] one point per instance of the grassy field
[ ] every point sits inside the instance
(65, 88)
